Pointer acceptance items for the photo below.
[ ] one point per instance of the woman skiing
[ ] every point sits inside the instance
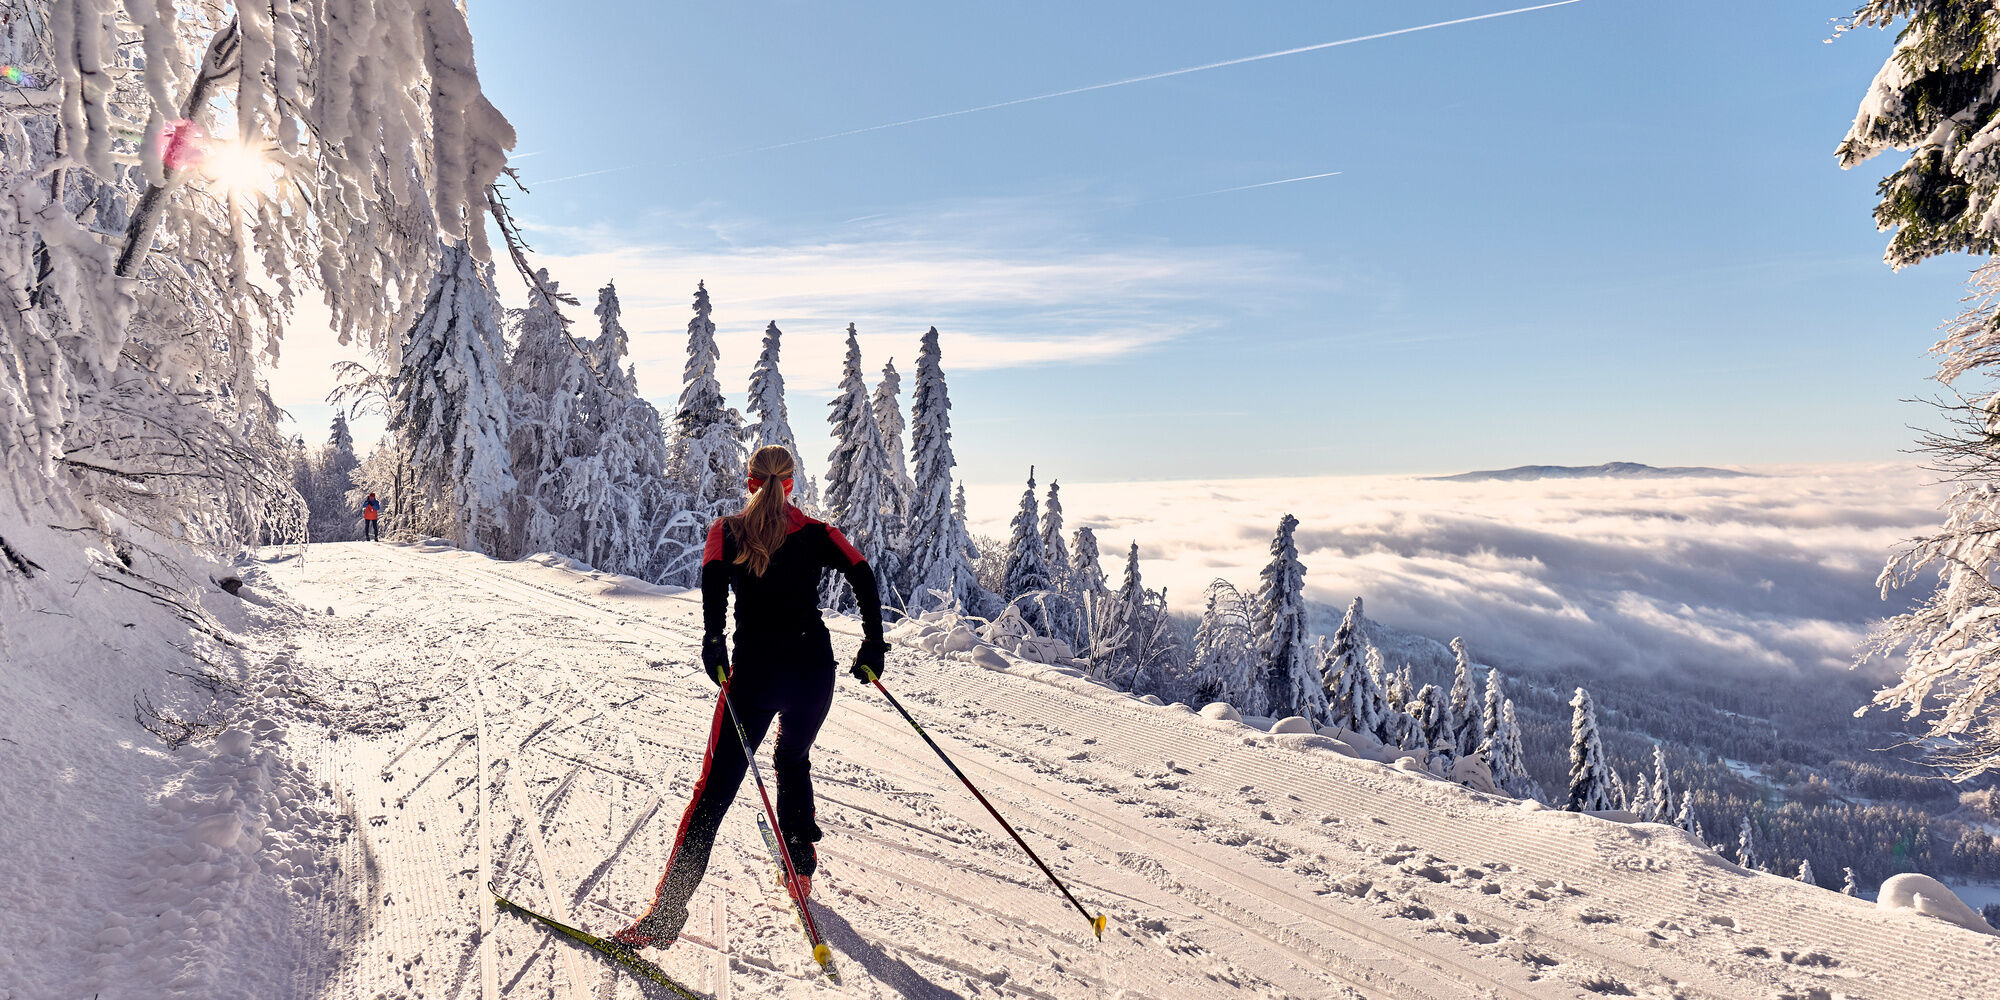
(772, 554)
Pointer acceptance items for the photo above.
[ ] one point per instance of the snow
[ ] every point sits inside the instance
(539, 723)
(1926, 895)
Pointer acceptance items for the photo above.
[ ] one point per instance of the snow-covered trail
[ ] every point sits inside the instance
(542, 727)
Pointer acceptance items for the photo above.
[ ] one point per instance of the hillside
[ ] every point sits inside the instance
(539, 725)
(1608, 470)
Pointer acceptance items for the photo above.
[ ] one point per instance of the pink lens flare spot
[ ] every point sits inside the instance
(182, 144)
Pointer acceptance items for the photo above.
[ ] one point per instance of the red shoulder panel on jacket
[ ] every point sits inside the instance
(712, 551)
(854, 556)
(796, 519)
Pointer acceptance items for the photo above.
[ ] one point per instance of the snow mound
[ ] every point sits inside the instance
(1221, 711)
(1292, 724)
(1928, 896)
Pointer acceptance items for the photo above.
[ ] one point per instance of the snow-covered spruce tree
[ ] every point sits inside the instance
(859, 491)
(1462, 714)
(1427, 713)
(1290, 671)
(1354, 700)
(1590, 782)
(1847, 886)
(708, 444)
(1685, 817)
(1027, 559)
(1951, 642)
(1510, 756)
(549, 424)
(447, 408)
(1086, 571)
(941, 553)
(1746, 847)
(773, 426)
(1220, 663)
(1052, 540)
(131, 333)
(889, 419)
(617, 488)
(1642, 794)
(1132, 644)
(331, 478)
(1938, 96)
(1660, 808)
(1805, 873)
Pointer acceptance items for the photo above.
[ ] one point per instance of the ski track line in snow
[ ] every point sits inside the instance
(943, 896)
(1278, 779)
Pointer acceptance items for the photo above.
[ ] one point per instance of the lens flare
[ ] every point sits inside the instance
(16, 76)
(238, 167)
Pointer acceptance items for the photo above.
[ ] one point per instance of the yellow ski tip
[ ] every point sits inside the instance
(823, 954)
(1098, 926)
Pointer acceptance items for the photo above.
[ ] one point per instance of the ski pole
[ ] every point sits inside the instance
(1096, 922)
(821, 953)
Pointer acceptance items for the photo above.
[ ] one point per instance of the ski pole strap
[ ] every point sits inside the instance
(1096, 922)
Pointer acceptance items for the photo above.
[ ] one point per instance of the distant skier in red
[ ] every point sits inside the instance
(371, 509)
(772, 554)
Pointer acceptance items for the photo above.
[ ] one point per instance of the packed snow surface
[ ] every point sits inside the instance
(540, 725)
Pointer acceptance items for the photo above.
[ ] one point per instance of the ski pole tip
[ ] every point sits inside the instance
(823, 954)
(1098, 926)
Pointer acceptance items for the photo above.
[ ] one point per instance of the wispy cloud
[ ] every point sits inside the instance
(1018, 294)
(1090, 88)
(1711, 575)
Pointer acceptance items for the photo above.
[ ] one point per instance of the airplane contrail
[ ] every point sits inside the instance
(1161, 76)
(1105, 86)
(1246, 187)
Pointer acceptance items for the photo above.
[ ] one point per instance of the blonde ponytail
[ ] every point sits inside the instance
(762, 525)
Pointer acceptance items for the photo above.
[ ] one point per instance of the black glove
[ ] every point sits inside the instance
(715, 659)
(868, 663)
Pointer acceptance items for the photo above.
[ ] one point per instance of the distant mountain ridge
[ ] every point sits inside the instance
(1609, 470)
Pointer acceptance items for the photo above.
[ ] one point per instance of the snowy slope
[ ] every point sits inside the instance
(541, 725)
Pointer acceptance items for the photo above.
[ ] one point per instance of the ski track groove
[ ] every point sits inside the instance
(586, 775)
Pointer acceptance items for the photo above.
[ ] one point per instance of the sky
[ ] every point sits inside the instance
(1596, 232)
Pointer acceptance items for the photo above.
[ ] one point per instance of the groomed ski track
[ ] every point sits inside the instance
(542, 726)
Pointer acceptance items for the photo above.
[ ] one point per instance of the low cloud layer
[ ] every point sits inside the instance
(1775, 573)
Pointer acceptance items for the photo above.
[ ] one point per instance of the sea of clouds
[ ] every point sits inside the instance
(1775, 572)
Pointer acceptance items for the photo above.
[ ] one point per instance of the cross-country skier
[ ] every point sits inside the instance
(370, 510)
(772, 554)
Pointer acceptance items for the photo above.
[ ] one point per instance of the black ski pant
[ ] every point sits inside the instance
(370, 533)
(798, 700)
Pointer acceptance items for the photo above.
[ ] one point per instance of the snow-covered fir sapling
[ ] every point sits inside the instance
(889, 420)
(1027, 559)
(1590, 780)
(1746, 846)
(858, 484)
(1805, 873)
(708, 444)
(773, 425)
(940, 551)
(1463, 715)
(1291, 673)
(1053, 549)
(1660, 808)
(1220, 662)
(1847, 886)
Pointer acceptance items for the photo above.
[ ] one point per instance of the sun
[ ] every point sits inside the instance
(239, 168)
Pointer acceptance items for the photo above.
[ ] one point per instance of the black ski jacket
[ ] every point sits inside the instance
(777, 614)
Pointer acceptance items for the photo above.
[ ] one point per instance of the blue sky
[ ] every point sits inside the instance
(1606, 231)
